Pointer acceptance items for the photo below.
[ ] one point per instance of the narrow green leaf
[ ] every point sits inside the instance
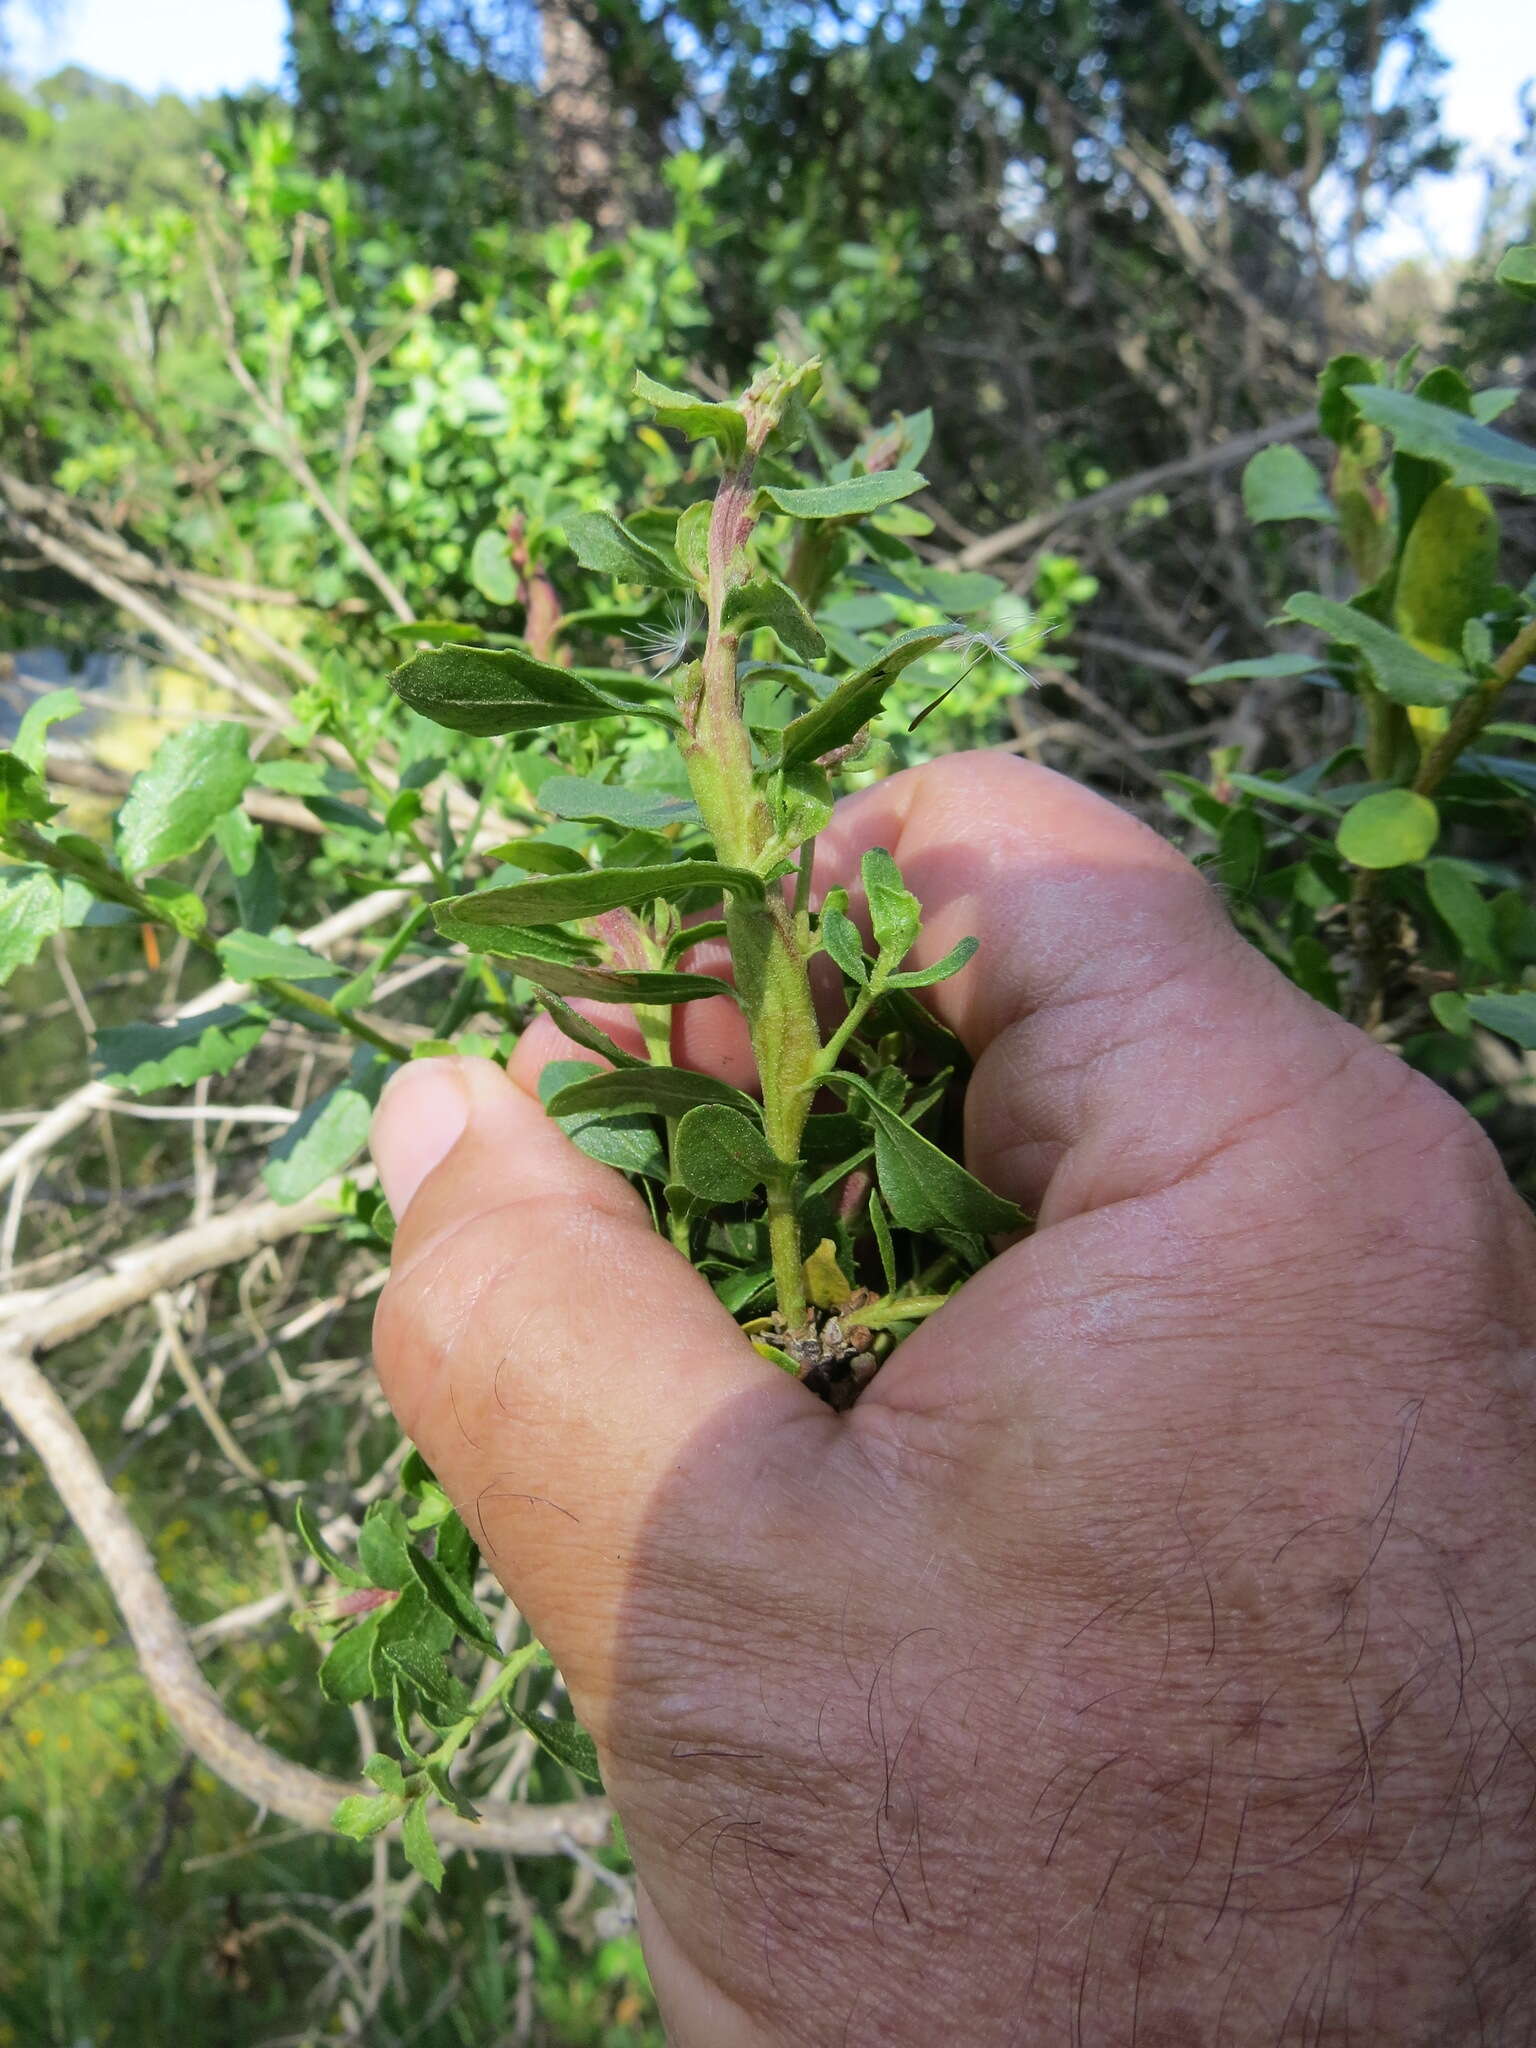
(327, 1137)
(31, 741)
(486, 690)
(144, 1057)
(840, 937)
(850, 499)
(540, 857)
(455, 1604)
(1259, 665)
(321, 1551)
(428, 1674)
(346, 1675)
(575, 979)
(566, 1741)
(895, 915)
(1473, 453)
(383, 1547)
(1389, 829)
(1466, 911)
(31, 910)
(722, 1155)
(437, 1777)
(924, 1188)
(845, 711)
(554, 898)
(362, 1814)
(258, 892)
(1512, 1016)
(582, 1031)
(626, 1142)
(196, 775)
(601, 542)
(696, 417)
(925, 977)
(638, 810)
(248, 956)
(23, 798)
(768, 602)
(1280, 483)
(663, 1091)
(420, 1849)
(1399, 670)
(880, 1224)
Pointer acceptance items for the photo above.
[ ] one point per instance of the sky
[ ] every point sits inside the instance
(204, 46)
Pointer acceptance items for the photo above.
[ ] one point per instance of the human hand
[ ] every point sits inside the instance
(1148, 1656)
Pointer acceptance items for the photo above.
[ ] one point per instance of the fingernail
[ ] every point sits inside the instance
(420, 1118)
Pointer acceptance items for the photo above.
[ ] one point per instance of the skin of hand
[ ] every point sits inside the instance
(1148, 1656)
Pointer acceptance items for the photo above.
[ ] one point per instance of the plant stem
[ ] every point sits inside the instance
(767, 951)
(319, 1006)
(1474, 711)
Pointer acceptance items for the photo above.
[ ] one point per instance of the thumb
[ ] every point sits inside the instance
(548, 1352)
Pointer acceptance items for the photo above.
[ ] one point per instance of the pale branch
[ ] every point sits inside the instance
(159, 1640)
(1023, 533)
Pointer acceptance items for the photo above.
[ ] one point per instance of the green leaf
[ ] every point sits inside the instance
(428, 1674)
(692, 540)
(327, 1137)
(600, 542)
(490, 567)
(554, 898)
(638, 810)
(626, 1142)
(662, 1091)
(839, 935)
(1448, 1006)
(924, 1188)
(321, 1551)
(849, 499)
(248, 956)
(23, 798)
(1517, 271)
(144, 1057)
(566, 1741)
(773, 604)
(880, 1225)
(31, 910)
(362, 1814)
(346, 1674)
(420, 1849)
(895, 915)
(925, 977)
(1511, 1016)
(1399, 670)
(539, 857)
(696, 417)
(486, 690)
(582, 1031)
(196, 775)
(383, 1548)
(1466, 911)
(437, 1777)
(258, 893)
(1259, 665)
(844, 712)
(1473, 453)
(1389, 829)
(385, 1772)
(1280, 483)
(575, 978)
(31, 741)
(1336, 412)
(455, 1603)
(722, 1155)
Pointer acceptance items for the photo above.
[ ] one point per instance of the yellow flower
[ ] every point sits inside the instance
(66, 1742)
(35, 1738)
(14, 1667)
(34, 1631)
(100, 1636)
(55, 1655)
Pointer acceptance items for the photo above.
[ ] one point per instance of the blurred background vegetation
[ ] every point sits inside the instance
(276, 371)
